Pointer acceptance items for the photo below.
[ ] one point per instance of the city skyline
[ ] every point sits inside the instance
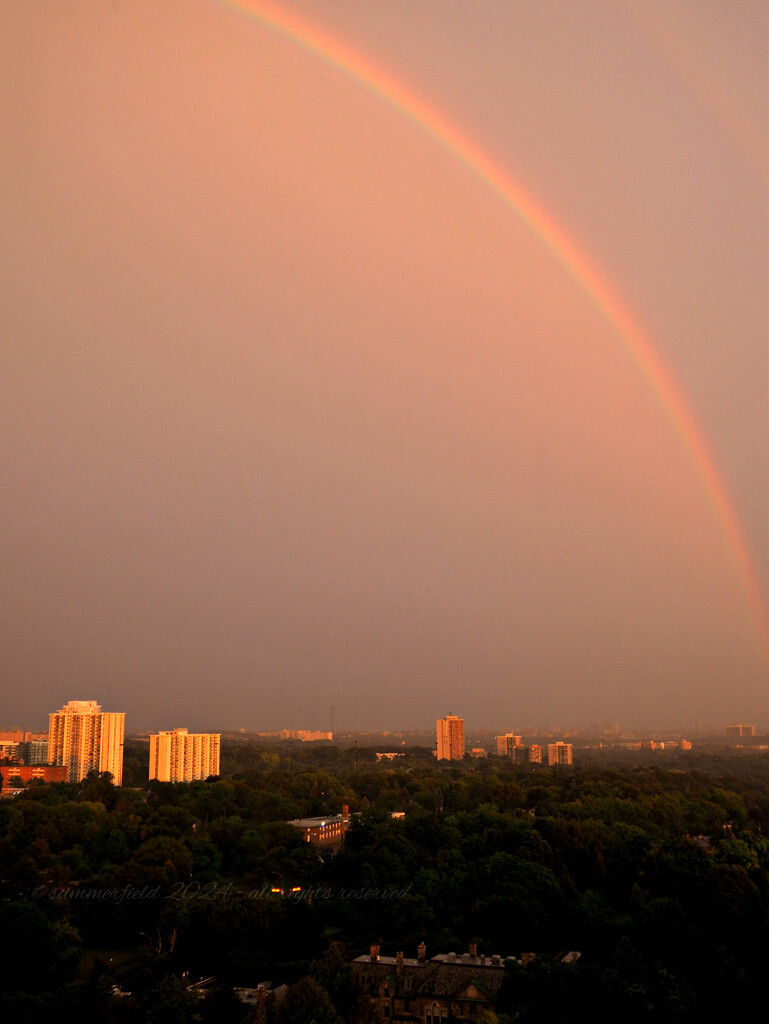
(504, 737)
(209, 725)
(366, 359)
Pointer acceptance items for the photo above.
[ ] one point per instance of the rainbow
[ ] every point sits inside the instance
(565, 250)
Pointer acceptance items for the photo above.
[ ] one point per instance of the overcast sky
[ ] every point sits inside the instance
(299, 414)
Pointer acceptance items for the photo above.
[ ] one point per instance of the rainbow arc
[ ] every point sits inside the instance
(575, 261)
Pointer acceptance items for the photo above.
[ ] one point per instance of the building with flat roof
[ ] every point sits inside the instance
(181, 756)
(559, 753)
(21, 736)
(83, 739)
(325, 832)
(15, 777)
(740, 731)
(506, 744)
(450, 733)
(34, 751)
(306, 735)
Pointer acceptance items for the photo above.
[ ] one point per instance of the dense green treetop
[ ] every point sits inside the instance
(658, 875)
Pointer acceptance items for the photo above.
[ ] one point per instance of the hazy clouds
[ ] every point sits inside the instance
(299, 415)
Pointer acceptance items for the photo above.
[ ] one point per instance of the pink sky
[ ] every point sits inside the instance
(298, 414)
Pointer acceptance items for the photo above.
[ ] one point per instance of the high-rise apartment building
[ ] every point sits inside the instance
(181, 756)
(450, 733)
(507, 743)
(83, 738)
(559, 753)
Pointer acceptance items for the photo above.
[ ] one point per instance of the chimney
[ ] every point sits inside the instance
(345, 811)
(374, 954)
(421, 952)
(473, 950)
(399, 962)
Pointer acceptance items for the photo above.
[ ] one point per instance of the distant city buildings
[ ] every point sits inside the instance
(25, 747)
(83, 738)
(302, 735)
(21, 736)
(506, 744)
(511, 745)
(738, 732)
(559, 753)
(654, 745)
(450, 733)
(305, 735)
(181, 756)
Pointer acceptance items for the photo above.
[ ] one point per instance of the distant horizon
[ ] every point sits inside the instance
(705, 729)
